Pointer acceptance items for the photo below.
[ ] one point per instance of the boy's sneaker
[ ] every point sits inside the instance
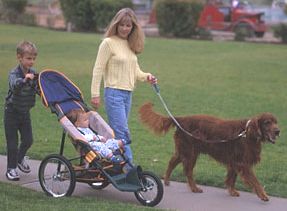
(12, 174)
(23, 166)
(117, 159)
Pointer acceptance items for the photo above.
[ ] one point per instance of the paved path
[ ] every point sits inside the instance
(176, 196)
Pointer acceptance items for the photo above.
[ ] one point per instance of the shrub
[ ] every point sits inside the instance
(178, 17)
(12, 10)
(28, 19)
(15, 5)
(204, 34)
(280, 31)
(106, 9)
(91, 15)
(243, 31)
(79, 13)
(240, 35)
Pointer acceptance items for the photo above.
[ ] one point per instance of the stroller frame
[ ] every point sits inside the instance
(58, 176)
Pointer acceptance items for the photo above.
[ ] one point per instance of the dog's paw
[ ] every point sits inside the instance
(233, 192)
(166, 182)
(196, 189)
(264, 197)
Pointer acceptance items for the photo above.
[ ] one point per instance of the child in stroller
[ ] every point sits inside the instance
(107, 148)
(58, 173)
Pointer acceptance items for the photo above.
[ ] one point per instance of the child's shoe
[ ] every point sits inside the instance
(12, 175)
(117, 159)
(23, 165)
(118, 151)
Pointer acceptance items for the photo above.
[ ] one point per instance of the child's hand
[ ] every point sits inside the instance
(29, 76)
(103, 139)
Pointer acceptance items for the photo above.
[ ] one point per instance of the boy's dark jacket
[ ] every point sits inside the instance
(21, 94)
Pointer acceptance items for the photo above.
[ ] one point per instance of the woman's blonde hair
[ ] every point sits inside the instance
(136, 37)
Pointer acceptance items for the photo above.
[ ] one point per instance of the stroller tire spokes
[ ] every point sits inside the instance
(152, 191)
(56, 176)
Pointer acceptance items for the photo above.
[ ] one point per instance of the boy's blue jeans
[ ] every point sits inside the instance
(118, 105)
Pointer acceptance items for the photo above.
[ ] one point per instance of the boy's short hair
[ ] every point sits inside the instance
(26, 47)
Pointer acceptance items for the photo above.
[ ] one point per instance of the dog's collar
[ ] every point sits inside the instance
(243, 133)
(247, 124)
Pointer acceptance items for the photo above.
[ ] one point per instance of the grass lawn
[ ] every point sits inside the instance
(14, 197)
(226, 79)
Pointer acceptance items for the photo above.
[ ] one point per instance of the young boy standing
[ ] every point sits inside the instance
(20, 99)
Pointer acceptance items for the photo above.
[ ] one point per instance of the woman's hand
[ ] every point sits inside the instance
(151, 79)
(96, 102)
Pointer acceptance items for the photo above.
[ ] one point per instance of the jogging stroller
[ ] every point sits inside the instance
(58, 175)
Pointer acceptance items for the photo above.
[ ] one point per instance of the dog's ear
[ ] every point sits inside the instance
(254, 128)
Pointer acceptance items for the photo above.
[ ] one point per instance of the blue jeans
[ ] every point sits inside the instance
(118, 104)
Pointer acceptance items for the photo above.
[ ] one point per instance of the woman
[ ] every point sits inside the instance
(117, 63)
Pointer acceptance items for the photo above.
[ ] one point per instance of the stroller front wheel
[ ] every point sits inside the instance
(152, 191)
(56, 176)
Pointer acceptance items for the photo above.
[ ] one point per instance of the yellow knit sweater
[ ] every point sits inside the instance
(118, 66)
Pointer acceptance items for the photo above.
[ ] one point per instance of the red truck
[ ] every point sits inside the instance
(222, 17)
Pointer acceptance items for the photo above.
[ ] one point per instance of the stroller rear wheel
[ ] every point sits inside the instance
(56, 176)
(152, 191)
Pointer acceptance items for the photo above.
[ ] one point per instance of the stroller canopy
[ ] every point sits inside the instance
(58, 90)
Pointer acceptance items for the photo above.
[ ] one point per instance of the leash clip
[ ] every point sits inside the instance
(156, 88)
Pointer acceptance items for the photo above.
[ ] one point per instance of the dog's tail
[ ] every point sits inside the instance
(158, 123)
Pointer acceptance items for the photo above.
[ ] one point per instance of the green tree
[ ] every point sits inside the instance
(281, 29)
(91, 15)
(79, 14)
(12, 10)
(178, 18)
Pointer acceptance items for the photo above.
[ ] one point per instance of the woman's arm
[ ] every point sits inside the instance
(103, 57)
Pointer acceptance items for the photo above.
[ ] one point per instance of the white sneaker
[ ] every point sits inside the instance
(12, 174)
(23, 165)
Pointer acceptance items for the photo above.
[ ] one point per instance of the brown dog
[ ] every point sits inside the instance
(219, 139)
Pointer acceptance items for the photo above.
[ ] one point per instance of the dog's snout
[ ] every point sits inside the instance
(277, 131)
